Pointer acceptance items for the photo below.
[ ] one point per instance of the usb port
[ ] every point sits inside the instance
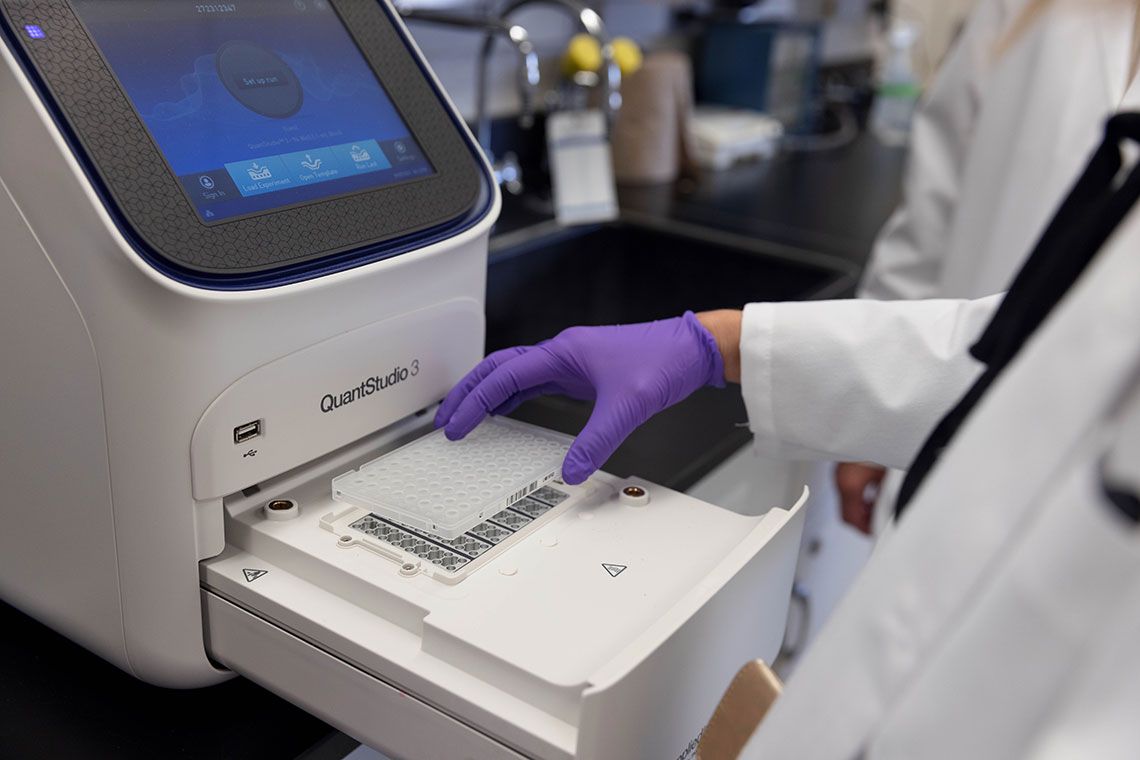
(247, 432)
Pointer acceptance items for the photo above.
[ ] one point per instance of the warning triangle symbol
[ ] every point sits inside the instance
(251, 575)
(613, 570)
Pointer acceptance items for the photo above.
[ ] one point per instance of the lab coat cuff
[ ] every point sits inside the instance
(756, 371)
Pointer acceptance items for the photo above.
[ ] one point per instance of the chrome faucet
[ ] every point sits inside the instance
(506, 169)
(591, 23)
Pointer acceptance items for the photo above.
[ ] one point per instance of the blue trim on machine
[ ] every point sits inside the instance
(288, 274)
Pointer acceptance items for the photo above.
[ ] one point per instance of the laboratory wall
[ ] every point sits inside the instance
(848, 34)
(453, 53)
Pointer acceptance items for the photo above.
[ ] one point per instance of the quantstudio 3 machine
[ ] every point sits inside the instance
(243, 251)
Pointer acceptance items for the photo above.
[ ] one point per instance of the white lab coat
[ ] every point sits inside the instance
(995, 147)
(1001, 619)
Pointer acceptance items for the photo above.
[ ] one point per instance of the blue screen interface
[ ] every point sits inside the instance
(255, 104)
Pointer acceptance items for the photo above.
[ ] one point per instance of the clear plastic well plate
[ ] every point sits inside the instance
(447, 487)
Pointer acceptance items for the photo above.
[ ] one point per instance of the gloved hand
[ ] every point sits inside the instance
(632, 371)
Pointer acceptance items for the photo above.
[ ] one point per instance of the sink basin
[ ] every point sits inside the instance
(538, 285)
(624, 273)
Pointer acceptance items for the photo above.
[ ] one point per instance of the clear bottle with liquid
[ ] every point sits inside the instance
(897, 95)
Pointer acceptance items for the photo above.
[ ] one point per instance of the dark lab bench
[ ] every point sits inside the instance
(798, 215)
(830, 202)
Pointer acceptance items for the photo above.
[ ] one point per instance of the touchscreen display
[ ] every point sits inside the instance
(255, 104)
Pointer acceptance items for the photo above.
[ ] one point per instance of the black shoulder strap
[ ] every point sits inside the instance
(1094, 208)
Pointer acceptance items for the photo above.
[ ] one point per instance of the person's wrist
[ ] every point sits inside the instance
(713, 365)
(724, 325)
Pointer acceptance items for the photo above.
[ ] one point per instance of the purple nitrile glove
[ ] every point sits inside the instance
(632, 371)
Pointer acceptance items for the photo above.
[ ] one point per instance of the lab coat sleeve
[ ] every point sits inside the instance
(856, 380)
(907, 260)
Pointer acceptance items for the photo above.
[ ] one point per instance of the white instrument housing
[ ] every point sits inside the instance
(132, 510)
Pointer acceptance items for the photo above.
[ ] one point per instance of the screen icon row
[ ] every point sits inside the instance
(215, 191)
(270, 173)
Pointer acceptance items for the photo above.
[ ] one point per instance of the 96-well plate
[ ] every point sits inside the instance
(448, 487)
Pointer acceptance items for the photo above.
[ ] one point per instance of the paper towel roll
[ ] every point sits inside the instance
(649, 131)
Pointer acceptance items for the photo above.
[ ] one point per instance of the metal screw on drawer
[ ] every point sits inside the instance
(281, 509)
(635, 496)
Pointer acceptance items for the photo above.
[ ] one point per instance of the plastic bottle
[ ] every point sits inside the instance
(898, 90)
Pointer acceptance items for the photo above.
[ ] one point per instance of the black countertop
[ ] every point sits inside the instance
(57, 700)
(829, 202)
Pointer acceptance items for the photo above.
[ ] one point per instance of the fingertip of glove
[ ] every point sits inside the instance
(573, 477)
(575, 468)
